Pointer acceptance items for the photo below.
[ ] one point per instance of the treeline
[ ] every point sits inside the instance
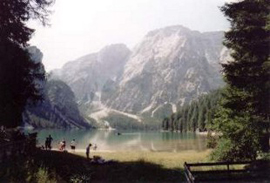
(197, 115)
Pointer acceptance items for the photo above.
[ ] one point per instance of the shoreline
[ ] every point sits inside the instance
(81, 150)
(128, 151)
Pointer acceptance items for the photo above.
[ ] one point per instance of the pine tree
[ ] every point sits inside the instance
(194, 117)
(201, 117)
(17, 72)
(246, 103)
(184, 120)
(198, 114)
(165, 124)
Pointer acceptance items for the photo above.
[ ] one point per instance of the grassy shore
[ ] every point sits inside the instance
(170, 160)
(131, 167)
(144, 167)
(127, 167)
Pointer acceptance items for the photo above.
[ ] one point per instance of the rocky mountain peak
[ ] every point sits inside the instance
(88, 74)
(170, 65)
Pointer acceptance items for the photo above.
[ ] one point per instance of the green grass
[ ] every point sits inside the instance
(130, 167)
(170, 160)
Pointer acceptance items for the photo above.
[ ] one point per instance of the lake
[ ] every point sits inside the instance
(127, 140)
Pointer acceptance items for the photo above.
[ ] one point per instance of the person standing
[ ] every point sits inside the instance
(88, 150)
(50, 139)
(61, 146)
(73, 145)
(47, 143)
(64, 145)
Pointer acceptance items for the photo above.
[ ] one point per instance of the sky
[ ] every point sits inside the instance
(80, 27)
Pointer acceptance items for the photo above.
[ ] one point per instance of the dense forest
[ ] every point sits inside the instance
(197, 115)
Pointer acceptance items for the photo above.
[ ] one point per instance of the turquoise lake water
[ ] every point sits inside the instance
(127, 140)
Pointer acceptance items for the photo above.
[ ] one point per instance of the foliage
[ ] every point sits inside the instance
(18, 76)
(17, 71)
(14, 15)
(18, 166)
(244, 114)
(25, 169)
(197, 115)
(80, 179)
(211, 140)
(240, 138)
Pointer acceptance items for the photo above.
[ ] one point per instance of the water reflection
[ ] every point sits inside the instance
(127, 141)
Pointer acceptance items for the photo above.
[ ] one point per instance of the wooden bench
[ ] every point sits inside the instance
(193, 176)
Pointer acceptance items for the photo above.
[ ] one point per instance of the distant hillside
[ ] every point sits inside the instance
(58, 110)
(198, 115)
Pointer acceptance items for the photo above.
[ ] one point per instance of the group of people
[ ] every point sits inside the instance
(62, 145)
(48, 143)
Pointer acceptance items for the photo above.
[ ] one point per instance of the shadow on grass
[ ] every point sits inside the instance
(74, 168)
(53, 166)
(24, 168)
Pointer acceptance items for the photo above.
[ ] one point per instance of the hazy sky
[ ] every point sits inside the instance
(80, 27)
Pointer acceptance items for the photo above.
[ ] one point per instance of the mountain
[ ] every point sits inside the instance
(170, 67)
(87, 75)
(59, 108)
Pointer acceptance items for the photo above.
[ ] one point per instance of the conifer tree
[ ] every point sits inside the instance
(201, 117)
(17, 72)
(244, 115)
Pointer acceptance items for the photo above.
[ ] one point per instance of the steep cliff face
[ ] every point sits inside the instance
(87, 75)
(170, 67)
(58, 110)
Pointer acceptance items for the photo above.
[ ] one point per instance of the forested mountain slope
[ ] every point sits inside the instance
(198, 115)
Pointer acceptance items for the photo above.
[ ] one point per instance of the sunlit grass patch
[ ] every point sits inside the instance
(165, 159)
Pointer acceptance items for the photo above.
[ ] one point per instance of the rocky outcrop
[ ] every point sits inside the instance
(87, 75)
(173, 65)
